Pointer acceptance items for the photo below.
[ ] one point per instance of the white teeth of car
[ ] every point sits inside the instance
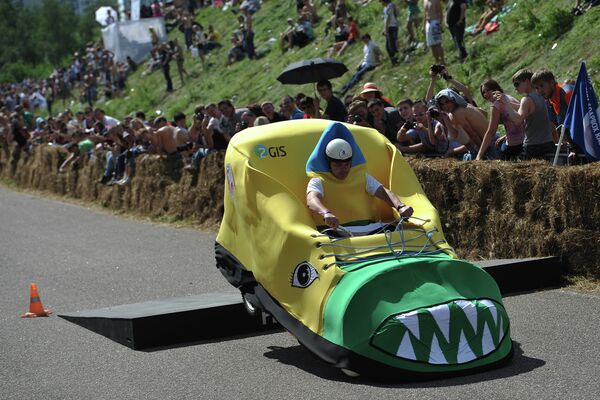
(441, 315)
(490, 304)
(486, 341)
(465, 354)
(470, 311)
(406, 350)
(436, 356)
(411, 321)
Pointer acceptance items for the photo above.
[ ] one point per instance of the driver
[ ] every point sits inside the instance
(339, 157)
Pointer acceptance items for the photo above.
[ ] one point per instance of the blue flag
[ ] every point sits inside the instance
(583, 116)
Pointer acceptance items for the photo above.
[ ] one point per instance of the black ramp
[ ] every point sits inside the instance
(169, 322)
(525, 274)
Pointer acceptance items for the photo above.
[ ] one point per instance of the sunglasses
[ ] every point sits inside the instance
(516, 84)
(419, 114)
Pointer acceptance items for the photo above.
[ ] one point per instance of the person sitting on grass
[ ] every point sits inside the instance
(371, 59)
(342, 32)
(494, 7)
(297, 34)
(236, 52)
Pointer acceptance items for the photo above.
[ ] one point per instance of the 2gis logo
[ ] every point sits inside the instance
(263, 151)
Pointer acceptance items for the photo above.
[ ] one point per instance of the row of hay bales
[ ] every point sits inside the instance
(489, 209)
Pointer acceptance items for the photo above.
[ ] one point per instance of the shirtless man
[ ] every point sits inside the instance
(163, 138)
(180, 133)
(433, 17)
(465, 122)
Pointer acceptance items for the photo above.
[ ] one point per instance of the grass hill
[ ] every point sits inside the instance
(536, 34)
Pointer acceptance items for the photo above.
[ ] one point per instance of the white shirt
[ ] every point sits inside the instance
(109, 122)
(389, 15)
(316, 185)
(369, 54)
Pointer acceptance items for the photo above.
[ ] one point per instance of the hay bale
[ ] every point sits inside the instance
(488, 209)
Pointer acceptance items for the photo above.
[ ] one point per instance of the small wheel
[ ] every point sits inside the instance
(350, 373)
(250, 308)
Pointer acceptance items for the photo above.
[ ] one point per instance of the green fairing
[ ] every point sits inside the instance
(383, 310)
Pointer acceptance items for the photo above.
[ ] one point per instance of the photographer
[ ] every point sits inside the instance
(214, 136)
(441, 70)
(425, 128)
(358, 113)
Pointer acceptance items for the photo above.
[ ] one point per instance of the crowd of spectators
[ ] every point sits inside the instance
(441, 123)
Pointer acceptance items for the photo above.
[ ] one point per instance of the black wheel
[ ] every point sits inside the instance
(250, 308)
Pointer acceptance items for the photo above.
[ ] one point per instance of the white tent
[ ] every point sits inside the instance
(132, 38)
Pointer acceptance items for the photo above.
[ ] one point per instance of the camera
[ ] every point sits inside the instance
(198, 116)
(410, 125)
(432, 108)
(357, 118)
(437, 68)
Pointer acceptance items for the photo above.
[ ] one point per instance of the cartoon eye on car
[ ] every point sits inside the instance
(381, 294)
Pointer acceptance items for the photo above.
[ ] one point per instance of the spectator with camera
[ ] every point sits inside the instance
(442, 71)
(465, 123)
(426, 130)
(358, 113)
(199, 133)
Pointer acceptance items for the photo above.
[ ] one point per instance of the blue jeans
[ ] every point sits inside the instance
(391, 43)
(199, 155)
(109, 167)
(360, 71)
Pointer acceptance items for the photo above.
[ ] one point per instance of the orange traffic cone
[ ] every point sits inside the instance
(36, 308)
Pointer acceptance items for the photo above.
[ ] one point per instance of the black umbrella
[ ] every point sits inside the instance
(310, 71)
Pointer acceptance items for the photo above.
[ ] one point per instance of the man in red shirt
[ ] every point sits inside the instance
(557, 96)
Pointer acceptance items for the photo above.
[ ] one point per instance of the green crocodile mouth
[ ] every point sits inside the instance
(456, 332)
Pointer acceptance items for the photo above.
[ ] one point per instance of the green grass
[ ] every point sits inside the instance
(525, 39)
(11, 183)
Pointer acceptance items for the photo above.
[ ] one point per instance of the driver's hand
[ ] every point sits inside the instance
(406, 211)
(331, 220)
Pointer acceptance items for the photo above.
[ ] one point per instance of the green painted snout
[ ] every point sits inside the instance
(427, 313)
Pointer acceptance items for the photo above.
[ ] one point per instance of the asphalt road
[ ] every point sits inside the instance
(85, 259)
